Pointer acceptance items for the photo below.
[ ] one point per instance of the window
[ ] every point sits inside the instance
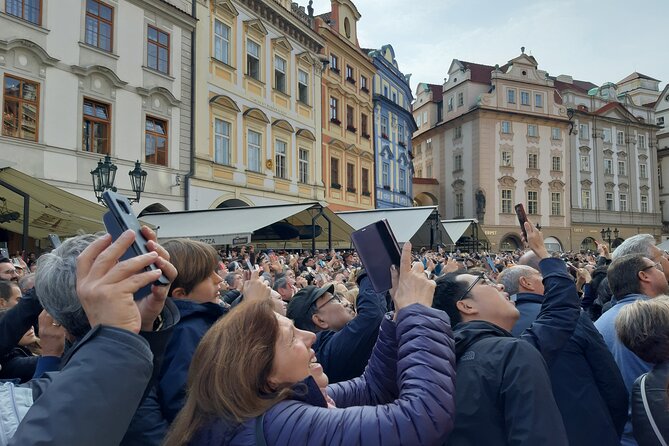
(350, 177)
(403, 180)
(620, 138)
(660, 121)
(158, 50)
(506, 127)
(363, 125)
(302, 87)
(334, 173)
(418, 122)
(99, 25)
(156, 141)
(350, 119)
(643, 170)
(349, 74)
(622, 168)
(394, 97)
(511, 96)
(585, 163)
(459, 205)
(538, 100)
(644, 203)
(642, 141)
(457, 132)
(606, 135)
(585, 199)
(659, 176)
(419, 173)
(623, 202)
(280, 149)
(583, 131)
(280, 74)
(384, 127)
(461, 99)
(532, 130)
(556, 203)
(556, 133)
(532, 161)
(425, 118)
(457, 162)
(221, 41)
(385, 93)
(506, 159)
(507, 201)
(252, 59)
(303, 166)
(97, 126)
(30, 10)
(365, 181)
(334, 110)
(334, 63)
(609, 201)
(363, 83)
(20, 115)
(532, 202)
(428, 145)
(254, 151)
(385, 175)
(608, 167)
(524, 98)
(400, 134)
(450, 103)
(556, 163)
(428, 170)
(222, 142)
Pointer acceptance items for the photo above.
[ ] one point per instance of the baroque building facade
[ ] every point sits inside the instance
(258, 115)
(393, 130)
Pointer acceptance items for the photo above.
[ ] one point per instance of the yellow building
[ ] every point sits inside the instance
(258, 105)
(348, 154)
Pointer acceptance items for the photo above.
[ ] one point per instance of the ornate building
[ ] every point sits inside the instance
(258, 116)
(393, 130)
(348, 156)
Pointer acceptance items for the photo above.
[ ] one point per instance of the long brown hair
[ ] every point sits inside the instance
(229, 372)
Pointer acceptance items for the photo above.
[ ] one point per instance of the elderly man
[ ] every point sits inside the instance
(587, 384)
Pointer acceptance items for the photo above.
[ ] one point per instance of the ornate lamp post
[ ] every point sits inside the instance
(104, 176)
(606, 235)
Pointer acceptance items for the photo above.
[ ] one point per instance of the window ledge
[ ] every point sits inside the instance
(281, 93)
(253, 79)
(305, 104)
(158, 73)
(27, 23)
(98, 50)
(220, 62)
(254, 172)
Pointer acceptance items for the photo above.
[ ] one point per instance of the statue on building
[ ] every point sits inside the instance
(480, 205)
(310, 9)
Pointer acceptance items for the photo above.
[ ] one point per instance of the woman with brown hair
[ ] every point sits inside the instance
(251, 380)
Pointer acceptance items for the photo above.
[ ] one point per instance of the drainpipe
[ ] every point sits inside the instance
(191, 157)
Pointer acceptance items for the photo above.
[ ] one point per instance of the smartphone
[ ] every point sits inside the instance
(117, 220)
(55, 240)
(249, 266)
(378, 249)
(522, 217)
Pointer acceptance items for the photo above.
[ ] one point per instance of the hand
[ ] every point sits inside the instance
(152, 305)
(51, 335)
(106, 286)
(603, 249)
(256, 288)
(301, 282)
(430, 265)
(450, 266)
(410, 283)
(583, 276)
(535, 240)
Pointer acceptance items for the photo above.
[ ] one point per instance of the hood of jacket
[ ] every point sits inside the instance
(469, 333)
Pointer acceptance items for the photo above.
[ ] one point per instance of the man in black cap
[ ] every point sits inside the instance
(344, 343)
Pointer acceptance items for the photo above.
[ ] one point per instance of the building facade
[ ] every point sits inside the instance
(393, 130)
(347, 148)
(87, 78)
(661, 108)
(258, 115)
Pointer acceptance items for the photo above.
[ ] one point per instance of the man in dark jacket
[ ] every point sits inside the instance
(587, 384)
(343, 343)
(503, 392)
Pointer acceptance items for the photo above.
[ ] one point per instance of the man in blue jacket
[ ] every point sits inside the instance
(587, 384)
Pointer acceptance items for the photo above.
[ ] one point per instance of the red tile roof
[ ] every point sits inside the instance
(581, 86)
(437, 92)
(556, 97)
(417, 180)
(479, 73)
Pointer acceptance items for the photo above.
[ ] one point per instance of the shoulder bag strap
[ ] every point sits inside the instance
(658, 434)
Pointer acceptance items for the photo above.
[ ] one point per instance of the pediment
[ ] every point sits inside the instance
(284, 125)
(586, 184)
(37, 51)
(158, 91)
(256, 113)
(306, 134)
(282, 43)
(386, 152)
(226, 7)
(403, 160)
(307, 57)
(458, 184)
(644, 189)
(256, 26)
(102, 71)
(609, 185)
(224, 101)
(643, 157)
(534, 183)
(556, 185)
(584, 149)
(623, 187)
(507, 181)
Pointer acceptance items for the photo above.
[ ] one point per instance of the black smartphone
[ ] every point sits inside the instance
(119, 219)
(4, 253)
(378, 250)
(522, 217)
(55, 240)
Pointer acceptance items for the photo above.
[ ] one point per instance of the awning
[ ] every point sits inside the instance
(51, 209)
(468, 227)
(241, 225)
(664, 246)
(408, 224)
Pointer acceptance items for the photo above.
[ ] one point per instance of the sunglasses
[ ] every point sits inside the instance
(482, 276)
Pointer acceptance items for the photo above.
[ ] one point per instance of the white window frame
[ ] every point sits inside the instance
(280, 65)
(254, 151)
(280, 155)
(222, 153)
(303, 163)
(222, 41)
(507, 200)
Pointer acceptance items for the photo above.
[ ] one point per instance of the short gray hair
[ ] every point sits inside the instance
(639, 244)
(280, 282)
(510, 277)
(56, 284)
(27, 282)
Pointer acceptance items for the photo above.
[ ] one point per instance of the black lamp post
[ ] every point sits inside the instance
(104, 176)
(606, 235)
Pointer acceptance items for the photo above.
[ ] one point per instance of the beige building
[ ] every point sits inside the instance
(661, 108)
(258, 105)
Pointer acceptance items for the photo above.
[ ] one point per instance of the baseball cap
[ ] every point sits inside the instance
(299, 307)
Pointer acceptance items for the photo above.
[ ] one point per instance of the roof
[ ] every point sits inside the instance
(176, 7)
(437, 92)
(637, 75)
(418, 180)
(581, 86)
(479, 73)
(326, 16)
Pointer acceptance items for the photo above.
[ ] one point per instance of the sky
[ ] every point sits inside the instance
(594, 40)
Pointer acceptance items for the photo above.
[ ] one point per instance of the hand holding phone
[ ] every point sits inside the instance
(522, 218)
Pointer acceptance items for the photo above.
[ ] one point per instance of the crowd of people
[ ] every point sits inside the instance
(264, 347)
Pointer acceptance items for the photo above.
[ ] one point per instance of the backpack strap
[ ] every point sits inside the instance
(260, 433)
(646, 407)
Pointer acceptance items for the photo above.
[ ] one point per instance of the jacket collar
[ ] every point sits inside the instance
(534, 298)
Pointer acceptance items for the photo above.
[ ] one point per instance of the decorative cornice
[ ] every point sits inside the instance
(283, 124)
(38, 51)
(99, 69)
(224, 101)
(165, 9)
(161, 91)
(227, 6)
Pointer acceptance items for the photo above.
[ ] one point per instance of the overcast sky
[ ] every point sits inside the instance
(594, 40)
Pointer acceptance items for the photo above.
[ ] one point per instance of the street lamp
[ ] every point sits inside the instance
(104, 176)
(606, 235)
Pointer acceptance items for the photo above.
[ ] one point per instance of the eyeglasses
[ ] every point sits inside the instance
(335, 297)
(482, 276)
(657, 266)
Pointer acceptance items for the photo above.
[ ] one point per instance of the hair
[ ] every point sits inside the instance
(529, 259)
(280, 282)
(6, 289)
(230, 278)
(448, 290)
(230, 370)
(623, 274)
(27, 282)
(643, 327)
(194, 261)
(637, 244)
(510, 277)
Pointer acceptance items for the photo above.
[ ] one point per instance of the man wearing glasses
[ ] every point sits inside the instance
(344, 341)
(503, 392)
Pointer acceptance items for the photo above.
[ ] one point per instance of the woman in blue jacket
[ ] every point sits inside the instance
(250, 381)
